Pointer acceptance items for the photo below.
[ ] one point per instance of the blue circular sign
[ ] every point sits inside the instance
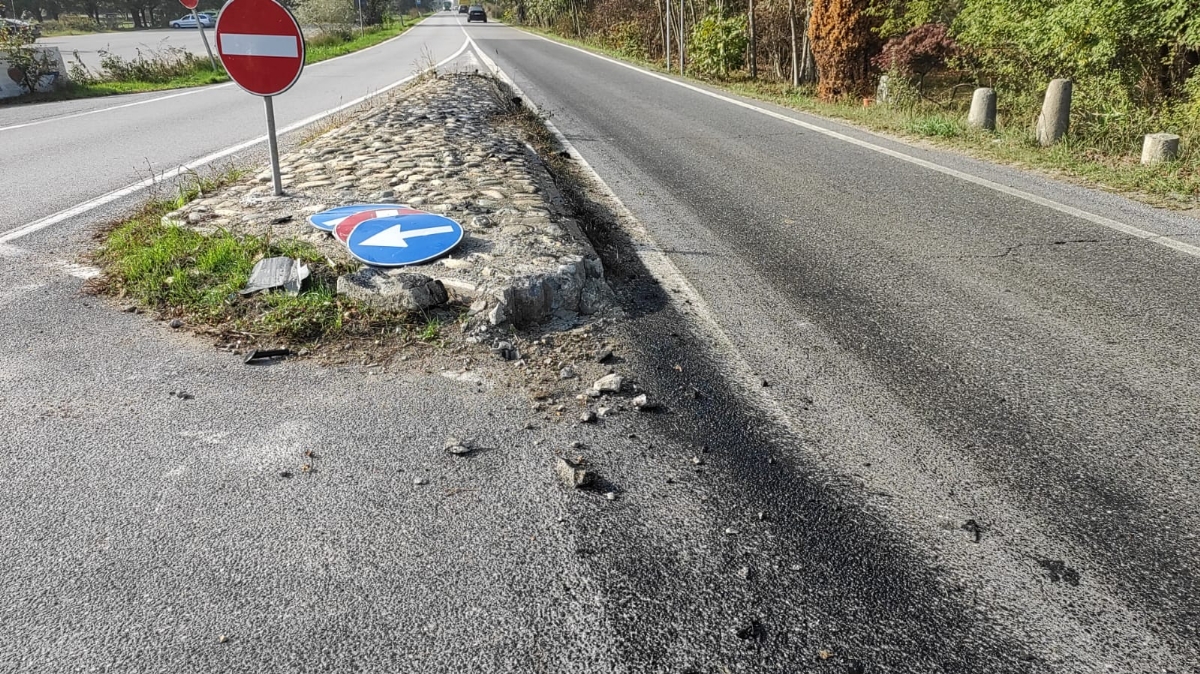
(404, 239)
(327, 220)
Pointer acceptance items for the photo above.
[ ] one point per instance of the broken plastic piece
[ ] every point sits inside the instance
(276, 272)
(263, 355)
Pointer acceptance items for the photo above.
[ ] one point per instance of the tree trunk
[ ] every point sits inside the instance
(792, 28)
(753, 45)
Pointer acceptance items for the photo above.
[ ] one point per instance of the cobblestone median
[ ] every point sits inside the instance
(451, 146)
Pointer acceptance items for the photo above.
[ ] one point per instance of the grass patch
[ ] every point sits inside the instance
(175, 69)
(1092, 161)
(177, 272)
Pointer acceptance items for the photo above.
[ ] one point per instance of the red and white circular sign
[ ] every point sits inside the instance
(190, 4)
(343, 229)
(261, 45)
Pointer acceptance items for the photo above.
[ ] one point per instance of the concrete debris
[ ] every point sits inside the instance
(610, 383)
(588, 417)
(393, 289)
(457, 447)
(603, 412)
(730, 531)
(610, 495)
(507, 351)
(567, 373)
(175, 323)
(698, 461)
(744, 573)
(571, 474)
(420, 481)
(643, 403)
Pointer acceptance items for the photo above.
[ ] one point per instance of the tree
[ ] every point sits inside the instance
(843, 42)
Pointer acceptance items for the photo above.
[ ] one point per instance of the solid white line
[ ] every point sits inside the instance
(197, 90)
(1130, 230)
(79, 209)
(238, 44)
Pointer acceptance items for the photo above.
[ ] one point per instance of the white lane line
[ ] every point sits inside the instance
(1124, 228)
(79, 209)
(197, 90)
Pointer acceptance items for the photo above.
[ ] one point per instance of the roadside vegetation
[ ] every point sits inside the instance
(1134, 66)
(176, 272)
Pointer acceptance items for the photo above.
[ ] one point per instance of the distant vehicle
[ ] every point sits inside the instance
(476, 13)
(16, 25)
(463, 9)
(207, 20)
(447, 6)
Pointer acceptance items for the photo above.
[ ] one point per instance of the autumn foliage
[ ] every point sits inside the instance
(843, 44)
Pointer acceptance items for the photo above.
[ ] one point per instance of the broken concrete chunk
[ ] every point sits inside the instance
(588, 417)
(393, 289)
(571, 474)
(276, 272)
(457, 447)
(610, 383)
(643, 402)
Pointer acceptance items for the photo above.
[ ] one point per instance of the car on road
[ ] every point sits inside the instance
(16, 25)
(463, 9)
(207, 20)
(476, 13)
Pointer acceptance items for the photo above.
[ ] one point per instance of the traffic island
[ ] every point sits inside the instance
(454, 146)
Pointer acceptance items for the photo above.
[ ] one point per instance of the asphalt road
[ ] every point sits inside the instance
(126, 44)
(911, 422)
(1000, 380)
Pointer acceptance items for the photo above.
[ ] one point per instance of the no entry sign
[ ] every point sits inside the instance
(190, 4)
(261, 45)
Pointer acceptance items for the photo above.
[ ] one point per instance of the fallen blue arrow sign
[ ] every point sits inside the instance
(404, 239)
(327, 220)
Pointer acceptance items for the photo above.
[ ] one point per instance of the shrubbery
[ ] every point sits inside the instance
(718, 46)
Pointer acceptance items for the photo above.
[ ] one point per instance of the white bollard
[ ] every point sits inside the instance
(881, 91)
(1160, 147)
(1056, 113)
(983, 109)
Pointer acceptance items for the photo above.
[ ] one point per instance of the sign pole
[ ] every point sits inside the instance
(668, 40)
(204, 37)
(274, 146)
(680, 36)
(361, 30)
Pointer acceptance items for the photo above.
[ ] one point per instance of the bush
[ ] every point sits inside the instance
(70, 23)
(159, 66)
(626, 38)
(918, 52)
(718, 45)
(333, 17)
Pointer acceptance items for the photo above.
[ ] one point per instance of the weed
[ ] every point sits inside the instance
(431, 330)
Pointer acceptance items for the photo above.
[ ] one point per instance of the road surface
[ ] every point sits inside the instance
(922, 414)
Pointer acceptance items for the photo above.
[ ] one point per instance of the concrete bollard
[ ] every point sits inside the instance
(983, 109)
(881, 91)
(1160, 147)
(1056, 113)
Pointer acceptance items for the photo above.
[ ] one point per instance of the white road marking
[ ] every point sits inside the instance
(197, 90)
(239, 44)
(394, 237)
(79, 209)
(1124, 228)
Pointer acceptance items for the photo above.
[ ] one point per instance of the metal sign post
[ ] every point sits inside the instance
(273, 145)
(668, 40)
(204, 37)
(680, 36)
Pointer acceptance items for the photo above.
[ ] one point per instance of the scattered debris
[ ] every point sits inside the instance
(176, 323)
(744, 573)
(762, 516)
(730, 531)
(260, 356)
(610, 383)
(588, 417)
(973, 527)
(572, 474)
(754, 631)
(457, 447)
(567, 373)
(276, 272)
(130, 309)
(287, 474)
(420, 481)
(182, 395)
(603, 412)
(507, 351)
(222, 639)
(1060, 572)
(610, 495)
(698, 461)
(603, 355)
(824, 654)
(643, 403)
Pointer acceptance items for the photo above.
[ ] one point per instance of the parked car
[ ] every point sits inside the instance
(207, 20)
(476, 13)
(16, 25)
(463, 9)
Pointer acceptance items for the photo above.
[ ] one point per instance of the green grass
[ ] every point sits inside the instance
(1092, 161)
(178, 272)
(318, 49)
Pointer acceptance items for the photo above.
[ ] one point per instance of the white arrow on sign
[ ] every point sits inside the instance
(394, 237)
(378, 214)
